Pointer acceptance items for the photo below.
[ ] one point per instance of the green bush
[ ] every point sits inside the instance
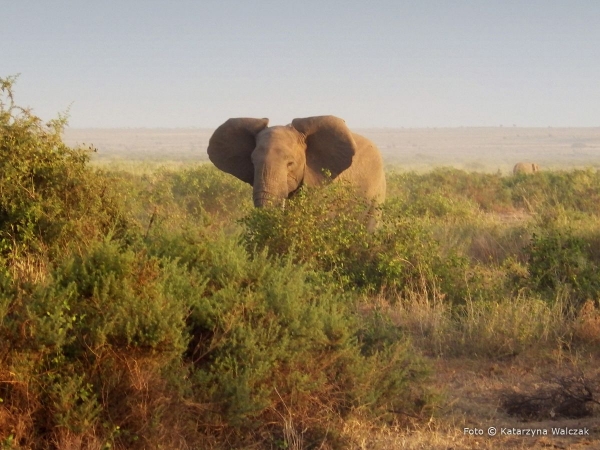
(49, 198)
(560, 258)
(263, 320)
(254, 322)
(446, 191)
(81, 327)
(576, 190)
(325, 228)
(399, 254)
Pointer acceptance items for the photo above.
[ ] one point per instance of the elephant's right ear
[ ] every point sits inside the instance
(232, 144)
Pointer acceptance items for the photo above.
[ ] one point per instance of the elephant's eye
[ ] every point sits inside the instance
(290, 164)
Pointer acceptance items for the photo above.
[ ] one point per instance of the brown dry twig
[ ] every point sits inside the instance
(569, 396)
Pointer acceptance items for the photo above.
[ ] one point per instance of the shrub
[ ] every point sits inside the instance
(255, 322)
(49, 198)
(325, 228)
(447, 191)
(577, 190)
(263, 321)
(98, 309)
(560, 258)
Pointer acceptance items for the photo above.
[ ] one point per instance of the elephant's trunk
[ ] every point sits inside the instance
(270, 186)
(263, 198)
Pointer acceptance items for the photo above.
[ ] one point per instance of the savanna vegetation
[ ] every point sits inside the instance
(161, 310)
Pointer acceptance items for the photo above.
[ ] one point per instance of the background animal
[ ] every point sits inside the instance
(525, 167)
(277, 160)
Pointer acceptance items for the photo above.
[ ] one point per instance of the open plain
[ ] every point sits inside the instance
(485, 149)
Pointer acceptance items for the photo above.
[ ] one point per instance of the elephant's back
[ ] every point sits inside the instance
(366, 171)
(525, 167)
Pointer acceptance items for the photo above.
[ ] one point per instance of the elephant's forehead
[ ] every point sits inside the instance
(279, 135)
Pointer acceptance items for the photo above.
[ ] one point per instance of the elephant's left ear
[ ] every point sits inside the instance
(329, 146)
(231, 146)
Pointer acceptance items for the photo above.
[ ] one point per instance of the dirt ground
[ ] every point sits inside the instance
(472, 416)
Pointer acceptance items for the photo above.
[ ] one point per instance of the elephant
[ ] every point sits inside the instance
(278, 160)
(525, 167)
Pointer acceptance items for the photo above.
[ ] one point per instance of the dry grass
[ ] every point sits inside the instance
(142, 167)
(587, 324)
(27, 267)
(484, 329)
(491, 349)
(473, 393)
(17, 417)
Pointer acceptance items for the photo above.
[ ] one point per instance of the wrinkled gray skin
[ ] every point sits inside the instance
(525, 167)
(277, 160)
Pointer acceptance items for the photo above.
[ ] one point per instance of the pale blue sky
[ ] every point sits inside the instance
(144, 63)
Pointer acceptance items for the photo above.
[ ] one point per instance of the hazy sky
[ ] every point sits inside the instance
(419, 63)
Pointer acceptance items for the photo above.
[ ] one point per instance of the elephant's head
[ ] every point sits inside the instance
(277, 160)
